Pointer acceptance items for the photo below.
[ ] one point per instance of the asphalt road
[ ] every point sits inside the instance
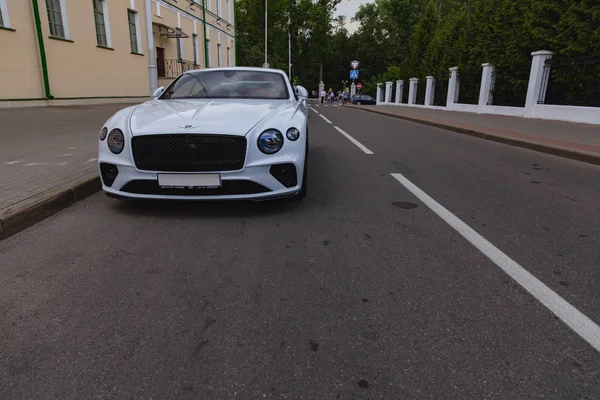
(359, 292)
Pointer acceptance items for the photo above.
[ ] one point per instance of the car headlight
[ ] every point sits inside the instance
(270, 141)
(292, 134)
(103, 133)
(116, 141)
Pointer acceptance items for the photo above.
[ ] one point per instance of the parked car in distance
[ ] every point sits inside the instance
(363, 99)
(228, 133)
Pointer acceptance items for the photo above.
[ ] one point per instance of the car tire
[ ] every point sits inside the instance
(358, 103)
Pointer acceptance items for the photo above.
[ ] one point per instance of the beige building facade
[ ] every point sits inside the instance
(98, 51)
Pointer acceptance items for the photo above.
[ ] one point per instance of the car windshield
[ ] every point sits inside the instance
(228, 84)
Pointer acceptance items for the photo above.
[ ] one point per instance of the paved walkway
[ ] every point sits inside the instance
(566, 138)
(44, 150)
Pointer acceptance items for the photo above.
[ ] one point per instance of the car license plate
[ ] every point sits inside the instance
(189, 181)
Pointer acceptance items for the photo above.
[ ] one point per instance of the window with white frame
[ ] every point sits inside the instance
(209, 59)
(195, 43)
(135, 37)
(219, 11)
(228, 10)
(4, 20)
(208, 5)
(179, 49)
(219, 54)
(55, 19)
(100, 21)
(228, 56)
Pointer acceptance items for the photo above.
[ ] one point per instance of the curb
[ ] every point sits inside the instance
(48, 205)
(542, 148)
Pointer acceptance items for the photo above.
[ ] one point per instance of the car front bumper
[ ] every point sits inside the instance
(253, 182)
(261, 176)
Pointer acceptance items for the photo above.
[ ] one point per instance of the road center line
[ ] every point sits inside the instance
(350, 138)
(326, 120)
(356, 142)
(575, 319)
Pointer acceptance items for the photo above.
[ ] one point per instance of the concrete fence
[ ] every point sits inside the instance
(534, 107)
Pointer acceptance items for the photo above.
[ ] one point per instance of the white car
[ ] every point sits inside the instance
(223, 133)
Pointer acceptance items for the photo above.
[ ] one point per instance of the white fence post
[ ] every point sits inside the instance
(429, 91)
(378, 98)
(487, 80)
(388, 92)
(537, 80)
(452, 87)
(412, 91)
(399, 87)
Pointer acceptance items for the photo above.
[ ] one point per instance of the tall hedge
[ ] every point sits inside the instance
(467, 33)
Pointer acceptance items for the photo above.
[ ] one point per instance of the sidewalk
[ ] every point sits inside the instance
(47, 160)
(576, 141)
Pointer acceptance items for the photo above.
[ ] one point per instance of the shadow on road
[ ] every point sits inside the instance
(205, 209)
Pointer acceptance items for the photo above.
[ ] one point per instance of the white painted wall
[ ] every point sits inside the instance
(586, 115)
(536, 87)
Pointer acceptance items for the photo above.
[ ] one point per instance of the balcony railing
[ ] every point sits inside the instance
(174, 68)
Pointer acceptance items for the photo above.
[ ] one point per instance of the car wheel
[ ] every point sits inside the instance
(358, 103)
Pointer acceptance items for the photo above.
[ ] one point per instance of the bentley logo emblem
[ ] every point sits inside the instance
(188, 126)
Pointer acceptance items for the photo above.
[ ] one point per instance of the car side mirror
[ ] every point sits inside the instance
(301, 92)
(158, 92)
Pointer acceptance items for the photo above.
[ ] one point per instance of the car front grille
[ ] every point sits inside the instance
(189, 153)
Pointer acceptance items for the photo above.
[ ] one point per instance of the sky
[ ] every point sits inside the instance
(349, 8)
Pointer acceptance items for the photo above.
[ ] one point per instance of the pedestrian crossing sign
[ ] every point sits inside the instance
(354, 74)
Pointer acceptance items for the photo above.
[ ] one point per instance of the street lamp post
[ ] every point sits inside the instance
(266, 64)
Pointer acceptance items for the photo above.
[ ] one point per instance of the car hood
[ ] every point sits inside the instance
(227, 117)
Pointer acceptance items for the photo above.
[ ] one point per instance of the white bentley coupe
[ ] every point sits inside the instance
(224, 133)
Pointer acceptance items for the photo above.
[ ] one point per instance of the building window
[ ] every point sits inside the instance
(179, 52)
(219, 54)
(228, 10)
(100, 23)
(133, 32)
(229, 57)
(55, 18)
(208, 7)
(219, 11)
(195, 43)
(209, 63)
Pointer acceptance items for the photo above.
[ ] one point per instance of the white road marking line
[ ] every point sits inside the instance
(35, 163)
(356, 142)
(575, 319)
(12, 162)
(350, 138)
(72, 148)
(326, 120)
(314, 110)
(61, 163)
(66, 155)
(92, 160)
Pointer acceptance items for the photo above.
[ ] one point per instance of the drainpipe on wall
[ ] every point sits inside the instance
(205, 43)
(152, 71)
(40, 37)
